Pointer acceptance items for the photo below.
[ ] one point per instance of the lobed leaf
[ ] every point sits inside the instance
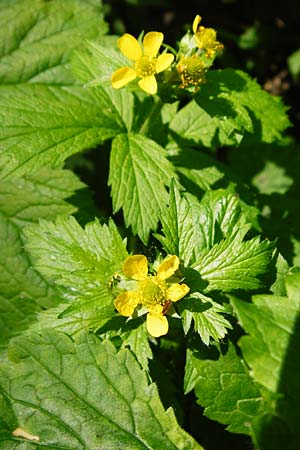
(235, 264)
(23, 201)
(229, 108)
(225, 389)
(190, 227)
(81, 261)
(206, 315)
(43, 125)
(84, 395)
(271, 348)
(139, 172)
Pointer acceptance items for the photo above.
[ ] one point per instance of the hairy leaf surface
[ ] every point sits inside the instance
(38, 38)
(224, 388)
(229, 107)
(85, 396)
(139, 174)
(272, 348)
(22, 202)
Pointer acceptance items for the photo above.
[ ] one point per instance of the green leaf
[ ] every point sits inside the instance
(71, 324)
(272, 346)
(85, 395)
(48, 119)
(272, 178)
(82, 261)
(294, 64)
(197, 167)
(42, 194)
(136, 338)
(16, 315)
(224, 388)
(207, 317)
(43, 125)
(230, 107)
(23, 201)
(139, 172)
(209, 236)
(196, 126)
(95, 62)
(235, 264)
(40, 36)
(93, 66)
(190, 227)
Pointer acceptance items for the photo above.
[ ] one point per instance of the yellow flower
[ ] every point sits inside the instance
(155, 292)
(206, 39)
(191, 70)
(145, 62)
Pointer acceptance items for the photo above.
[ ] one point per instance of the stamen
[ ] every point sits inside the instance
(145, 66)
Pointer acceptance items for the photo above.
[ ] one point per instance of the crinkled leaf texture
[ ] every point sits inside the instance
(190, 227)
(224, 388)
(209, 236)
(22, 202)
(83, 395)
(195, 166)
(139, 174)
(81, 261)
(229, 108)
(235, 264)
(48, 118)
(38, 38)
(272, 347)
(207, 316)
(43, 125)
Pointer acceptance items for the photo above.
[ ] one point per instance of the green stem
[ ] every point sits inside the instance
(153, 112)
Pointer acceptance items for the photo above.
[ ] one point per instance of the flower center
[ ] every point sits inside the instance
(145, 66)
(206, 39)
(191, 70)
(152, 292)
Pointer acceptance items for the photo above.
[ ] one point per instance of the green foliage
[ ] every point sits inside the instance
(206, 314)
(230, 108)
(39, 38)
(82, 261)
(272, 347)
(139, 171)
(209, 236)
(223, 386)
(88, 383)
(24, 291)
(202, 170)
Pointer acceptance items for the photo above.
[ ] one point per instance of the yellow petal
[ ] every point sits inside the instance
(168, 267)
(125, 303)
(136, 267)
(157, 325)
(130, 47)
(196, 22)
(155, 310)
(152, 42)
(164, 61)
(148, 84)
(122, 76)
(177, 291)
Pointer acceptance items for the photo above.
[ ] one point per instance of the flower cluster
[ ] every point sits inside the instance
(195, 56)
(154, 293)
(206, 39)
